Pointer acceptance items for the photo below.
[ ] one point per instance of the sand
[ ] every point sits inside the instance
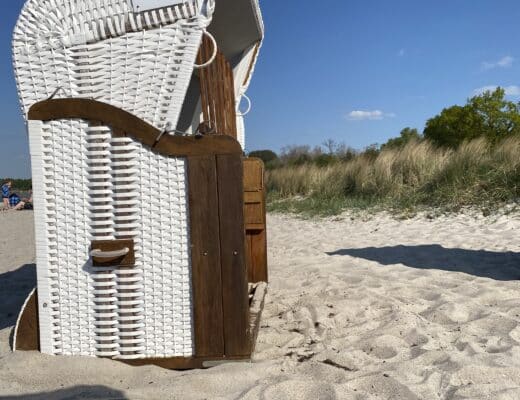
(357, 309)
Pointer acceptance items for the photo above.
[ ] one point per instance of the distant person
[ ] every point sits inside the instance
(6, 192)
(15, 202)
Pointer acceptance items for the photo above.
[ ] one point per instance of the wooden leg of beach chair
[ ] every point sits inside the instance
(26, 331)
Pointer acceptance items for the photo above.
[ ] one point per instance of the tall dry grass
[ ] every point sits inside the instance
(418, 174)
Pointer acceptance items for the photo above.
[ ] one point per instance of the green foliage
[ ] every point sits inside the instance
(324, 160)
(18, 184)
(371, 152)
(407, 135)
(420, 174)
(266, 156)
(488, 115)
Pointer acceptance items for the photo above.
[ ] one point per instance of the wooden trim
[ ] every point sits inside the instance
(232, 250)
(125, 123)
(255, 220)
(217, 91)
(27, 328)
(205, 257)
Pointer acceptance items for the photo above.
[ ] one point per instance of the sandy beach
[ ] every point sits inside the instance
(357, 308)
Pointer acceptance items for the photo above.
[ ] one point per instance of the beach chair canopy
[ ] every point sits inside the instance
(147, 50)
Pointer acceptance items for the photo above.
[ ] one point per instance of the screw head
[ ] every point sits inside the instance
(44, 305)
(205, 253)
(235, 253)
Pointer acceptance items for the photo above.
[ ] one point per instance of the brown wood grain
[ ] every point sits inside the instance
(259, 255)
(205, 257)
(232, 248)
(113, 245)
(255, 220)
(217, 91)
(28, 330)
(132, 126)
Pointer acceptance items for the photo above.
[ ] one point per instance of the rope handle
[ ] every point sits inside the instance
(215, 49)
(242, 114)
(109, 254)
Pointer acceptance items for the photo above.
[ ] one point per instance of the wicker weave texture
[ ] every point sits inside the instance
(90, 184)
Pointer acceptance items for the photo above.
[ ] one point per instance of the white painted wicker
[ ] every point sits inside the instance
(89, 185)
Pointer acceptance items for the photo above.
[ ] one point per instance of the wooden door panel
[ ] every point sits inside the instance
(233, 255)
(205, 256)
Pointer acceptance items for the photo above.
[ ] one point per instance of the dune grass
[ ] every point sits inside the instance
(415, 176)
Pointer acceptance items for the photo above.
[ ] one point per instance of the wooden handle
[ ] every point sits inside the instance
(109, 254)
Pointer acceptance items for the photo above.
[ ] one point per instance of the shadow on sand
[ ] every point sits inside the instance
(14, 289)
(500, 266)
(76, 392)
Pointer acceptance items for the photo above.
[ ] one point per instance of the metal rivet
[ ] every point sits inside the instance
(205, 253)
(44, 305)
(235, 253)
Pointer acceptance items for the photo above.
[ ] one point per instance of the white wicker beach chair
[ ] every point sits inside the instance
(94, 185)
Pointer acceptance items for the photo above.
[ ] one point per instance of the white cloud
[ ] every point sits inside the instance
(504, 62)
(512, 90)
(375, 115)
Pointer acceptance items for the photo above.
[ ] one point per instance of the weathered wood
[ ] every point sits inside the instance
(127, 260)
(217, 91)
(134, 127)
(27, 330)
(258, 255)
(232, 248)
(255, 220)
(205, 257)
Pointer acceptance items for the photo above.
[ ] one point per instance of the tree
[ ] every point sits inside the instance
(488, 114)
(265, 155)
(330, 145)
(406, 136)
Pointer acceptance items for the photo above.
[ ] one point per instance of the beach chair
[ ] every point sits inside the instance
(136, 139)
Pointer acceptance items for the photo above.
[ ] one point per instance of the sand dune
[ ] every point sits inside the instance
(357, 309)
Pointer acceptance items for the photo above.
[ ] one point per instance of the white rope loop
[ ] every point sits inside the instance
(242, 114)
(215, 49)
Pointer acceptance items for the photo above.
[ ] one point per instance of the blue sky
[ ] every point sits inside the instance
(354, 71)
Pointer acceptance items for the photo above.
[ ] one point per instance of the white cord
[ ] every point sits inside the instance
(242, 114)
(215, 48)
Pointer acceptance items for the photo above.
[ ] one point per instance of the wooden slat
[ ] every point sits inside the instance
(259, 255)
(217, 91)
(132, 126)
(254, 216)
(232, 248)
(205, 257)
(253, 197)
(204, 90)
(253, 175)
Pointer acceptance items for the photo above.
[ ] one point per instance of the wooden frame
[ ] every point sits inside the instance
(255, 222)
(217, 91)
(222, 323)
